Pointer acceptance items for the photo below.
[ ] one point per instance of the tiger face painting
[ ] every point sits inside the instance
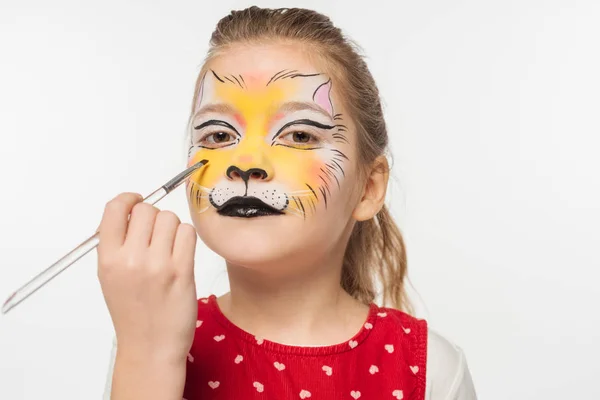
(279, 146)
(275, 147)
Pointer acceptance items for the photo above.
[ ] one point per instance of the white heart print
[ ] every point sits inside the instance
(205, 300)
(259, 340)
(259, 387)
(414, 369)
(279, 366)
(389, 348)
(328, 370)
(406, 330)
(214, 385)
(219, 338)
(198, 324)
(368, 325)
(398, 394)
(373, 370)
(353, 343)
(238, 359)
(304, 394)
(382, 314)
(190, 358)
(355, 394)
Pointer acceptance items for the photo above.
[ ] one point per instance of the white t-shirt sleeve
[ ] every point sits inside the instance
(448, 376)
(111, 367)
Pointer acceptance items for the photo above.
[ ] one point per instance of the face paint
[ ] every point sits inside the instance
(275, 144)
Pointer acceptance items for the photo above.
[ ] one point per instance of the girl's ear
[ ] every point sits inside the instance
(373, 197)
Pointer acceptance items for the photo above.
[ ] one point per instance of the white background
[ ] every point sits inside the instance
(492, 109)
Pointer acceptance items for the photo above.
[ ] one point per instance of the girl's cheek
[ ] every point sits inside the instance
(315, 170)
(199, 176)
(295, 167)
(296, 176)
(191, 161)
(194, 156)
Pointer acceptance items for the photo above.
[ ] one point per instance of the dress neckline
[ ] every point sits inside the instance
(351, 344)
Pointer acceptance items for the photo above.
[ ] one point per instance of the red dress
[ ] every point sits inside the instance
(386, 359)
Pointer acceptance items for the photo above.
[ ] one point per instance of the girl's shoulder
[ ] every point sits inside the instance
(448, 375)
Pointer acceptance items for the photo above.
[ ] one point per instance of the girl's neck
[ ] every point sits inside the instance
(309, 309)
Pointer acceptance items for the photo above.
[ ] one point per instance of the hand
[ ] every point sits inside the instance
(146, 271)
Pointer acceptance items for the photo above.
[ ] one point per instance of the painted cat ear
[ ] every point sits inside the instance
(322, 97)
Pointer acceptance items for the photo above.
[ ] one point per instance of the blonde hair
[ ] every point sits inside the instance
(376, 252)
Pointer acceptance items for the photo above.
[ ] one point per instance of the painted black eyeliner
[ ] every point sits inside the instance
(309, 122)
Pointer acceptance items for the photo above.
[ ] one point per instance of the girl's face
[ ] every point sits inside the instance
(281, 183)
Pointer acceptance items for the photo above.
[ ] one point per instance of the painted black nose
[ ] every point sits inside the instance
(256, 173)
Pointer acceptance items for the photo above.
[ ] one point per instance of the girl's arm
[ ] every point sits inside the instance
(141, 381)
(148, 378)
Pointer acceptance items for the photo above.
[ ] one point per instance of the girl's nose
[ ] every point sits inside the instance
(234, 173)
(256, 160)
(246, 159)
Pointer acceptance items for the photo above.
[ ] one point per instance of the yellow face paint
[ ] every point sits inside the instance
(275, 141)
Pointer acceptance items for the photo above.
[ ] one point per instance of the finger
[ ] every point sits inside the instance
(141, 224)
(113, 226)
(184, 249)
(165, 229)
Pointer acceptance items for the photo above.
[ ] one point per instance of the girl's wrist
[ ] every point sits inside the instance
(153, 355)
(149, 378)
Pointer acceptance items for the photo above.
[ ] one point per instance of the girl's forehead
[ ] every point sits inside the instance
(282, 92)
(259, 62)
(255, 78)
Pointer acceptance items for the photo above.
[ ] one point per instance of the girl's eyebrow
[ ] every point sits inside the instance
(291, 106)
(301, 106)
(215, 108)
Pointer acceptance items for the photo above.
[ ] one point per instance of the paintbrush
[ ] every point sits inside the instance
(89, 244)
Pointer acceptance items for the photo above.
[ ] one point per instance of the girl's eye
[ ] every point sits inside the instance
(218, 137)
(301, 137)
(217, 140)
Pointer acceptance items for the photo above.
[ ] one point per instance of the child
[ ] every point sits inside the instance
(289, 118)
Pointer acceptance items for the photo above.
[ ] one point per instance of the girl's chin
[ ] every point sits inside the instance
(244, 232)
(251, 254)
(263, 242)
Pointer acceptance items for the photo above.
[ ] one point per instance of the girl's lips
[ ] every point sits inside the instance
(246, 207)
